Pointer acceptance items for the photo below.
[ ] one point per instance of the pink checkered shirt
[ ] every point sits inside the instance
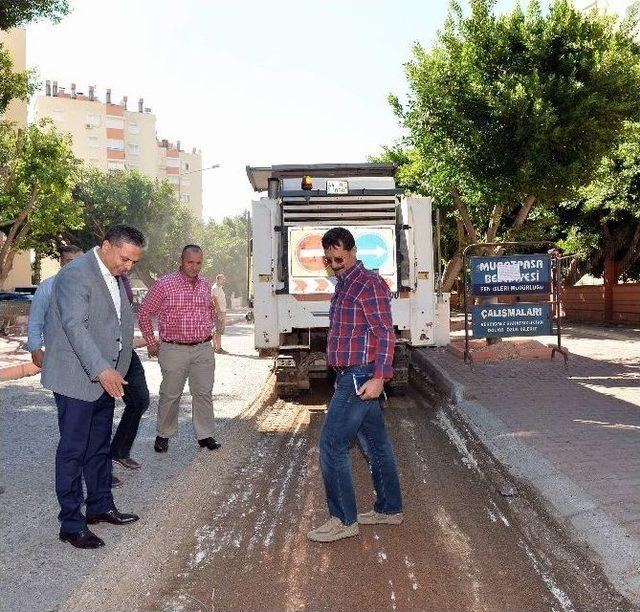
(184, 310)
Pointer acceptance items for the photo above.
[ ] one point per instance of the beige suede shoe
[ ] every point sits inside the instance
(333, 530)
(376, 518)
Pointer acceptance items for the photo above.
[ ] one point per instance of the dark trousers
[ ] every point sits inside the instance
(83, 452)
(136, 401)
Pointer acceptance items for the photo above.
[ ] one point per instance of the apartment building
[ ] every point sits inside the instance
(15, 41)
(110, 136)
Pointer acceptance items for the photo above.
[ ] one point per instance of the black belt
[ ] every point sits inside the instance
(343, 369)
(188, 343)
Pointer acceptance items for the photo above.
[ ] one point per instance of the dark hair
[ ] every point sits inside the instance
(338, 236)
(70, 249)
(191, 247)
(119, 233)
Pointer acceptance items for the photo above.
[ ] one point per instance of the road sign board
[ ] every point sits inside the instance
(376, 249)
(310, 253)
(511, 275)
(373, 250)
(520, 319)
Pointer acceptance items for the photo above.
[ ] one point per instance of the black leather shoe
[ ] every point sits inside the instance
(115, 482)
(82, 539)
(209, 443)
(161, 445)
(113, 516)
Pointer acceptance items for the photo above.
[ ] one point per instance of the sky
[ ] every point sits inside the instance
(249, 82)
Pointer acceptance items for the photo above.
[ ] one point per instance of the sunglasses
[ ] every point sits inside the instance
(335, 260)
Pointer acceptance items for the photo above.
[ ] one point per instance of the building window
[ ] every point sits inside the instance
(133, 148)
(115, 166)
(113, 143)
(94, 142)
(58, 114)
(134, 128)
(115, 122)
(93, 120)
(174, 180)
(173, 162)
(185, 197)
(185, 181)
(185, 165)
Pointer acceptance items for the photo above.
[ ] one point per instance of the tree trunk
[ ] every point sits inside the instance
(18, 230)
(37, 269)
(494, 222)
(451, 272)
(632, 254)
(573, 273)
(524, 211)
(464, 214)
(144, 276)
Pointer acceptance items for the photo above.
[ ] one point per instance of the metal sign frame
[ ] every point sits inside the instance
(555, 292)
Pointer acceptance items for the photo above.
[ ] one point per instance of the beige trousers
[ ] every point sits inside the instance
(179, 363)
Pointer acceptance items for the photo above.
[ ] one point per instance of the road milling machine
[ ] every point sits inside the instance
(290, 286)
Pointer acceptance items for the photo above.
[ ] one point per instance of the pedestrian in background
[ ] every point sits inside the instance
(186, 315)
(360, 347)
(88, 339)
(220, 302)
(136, 402)
(40, 306)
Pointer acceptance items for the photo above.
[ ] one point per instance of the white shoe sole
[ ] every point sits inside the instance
(331, 537)
(385, 519)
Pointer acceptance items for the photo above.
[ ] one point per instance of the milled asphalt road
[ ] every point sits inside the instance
(37, 571)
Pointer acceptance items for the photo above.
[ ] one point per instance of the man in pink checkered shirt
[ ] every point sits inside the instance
(186, 316)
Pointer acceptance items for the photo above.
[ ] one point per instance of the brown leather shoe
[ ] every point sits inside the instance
(128, 462)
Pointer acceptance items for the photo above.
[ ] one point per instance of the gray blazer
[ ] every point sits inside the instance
(82, 331)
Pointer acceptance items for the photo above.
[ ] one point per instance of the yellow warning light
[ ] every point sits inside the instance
(307, 183)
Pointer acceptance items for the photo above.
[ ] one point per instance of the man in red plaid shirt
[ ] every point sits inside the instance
(360, 348)
(186, 314)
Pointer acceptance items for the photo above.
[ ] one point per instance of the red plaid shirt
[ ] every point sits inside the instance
(184, 309)
(360, 324)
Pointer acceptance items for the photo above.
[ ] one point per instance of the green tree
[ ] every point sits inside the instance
(37, 174)
(13, 85)
(509, 115)
(225, 251)
(152, 206)
(604, 222)
(16, 13)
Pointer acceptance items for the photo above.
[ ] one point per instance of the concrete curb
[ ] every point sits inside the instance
(611, 545)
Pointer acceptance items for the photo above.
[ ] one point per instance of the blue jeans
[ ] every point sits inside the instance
(349, 416)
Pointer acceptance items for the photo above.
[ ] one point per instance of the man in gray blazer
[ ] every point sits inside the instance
(89, 340)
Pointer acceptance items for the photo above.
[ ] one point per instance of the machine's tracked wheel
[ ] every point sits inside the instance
(399, 384)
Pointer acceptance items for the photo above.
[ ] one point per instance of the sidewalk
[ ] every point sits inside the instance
(572, 434)
(15, 362)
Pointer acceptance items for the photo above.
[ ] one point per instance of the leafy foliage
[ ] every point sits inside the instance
(18, 85)
(604, 222)
(225, 249)
(509, 112)
(16, 13)
(130, 197)
(37, 173)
